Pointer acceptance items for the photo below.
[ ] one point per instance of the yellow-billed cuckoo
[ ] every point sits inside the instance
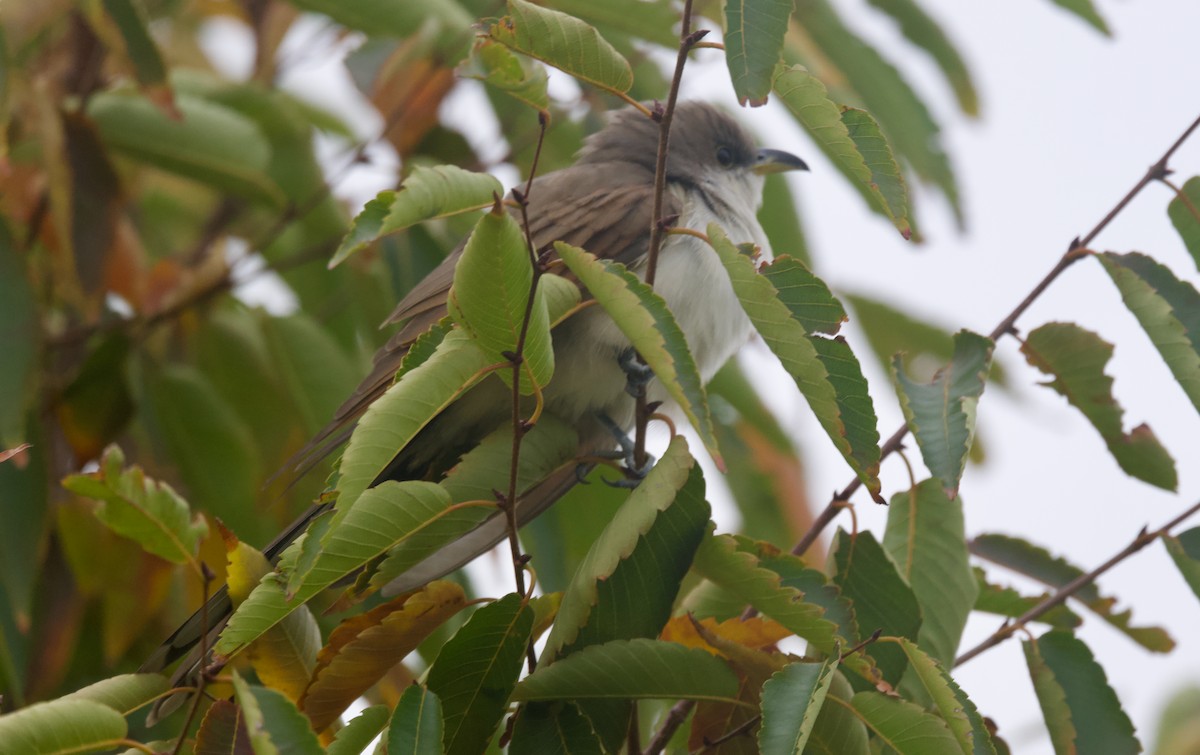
(604, 204)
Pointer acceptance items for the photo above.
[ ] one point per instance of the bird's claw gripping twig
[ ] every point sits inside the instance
(634, 473)
(637, 373)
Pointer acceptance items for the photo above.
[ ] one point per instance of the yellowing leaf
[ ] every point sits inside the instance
(364, 647)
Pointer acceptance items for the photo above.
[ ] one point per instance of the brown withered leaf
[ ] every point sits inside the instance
(364, 647)
(741, 643)
(222, 731)
(408, 91)
(95, 204)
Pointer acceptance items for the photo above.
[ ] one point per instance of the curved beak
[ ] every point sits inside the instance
(776, 161)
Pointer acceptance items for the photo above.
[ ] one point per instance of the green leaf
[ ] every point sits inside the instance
(853, 143)
(754, 31)
(497, 65)
(399, 414)
(384, 516)
(1087, 11)
(1081, 710)
(905, 727)
(139, 46)
(18, 341)
(416, 726)
(426, 194)
(123, 693)
(148, 512)
(275, 725)
(1038, 563)
(62, 727)
(643, 317)
(923, 31)
(941, 414)
(354, 737)
(652, 21)
(1185, 551)
(838, 728)
(780, 303)
(955, 708)
(1168, 310)
(564, 42)
(886, 95)
(720, 561)
(628, 582)
(1075, 358)
(1005, 601)
(1184, 211)
(210, 143)
(307, 360)
(476, 670)
(492, 285)
(883, 600)
(211, 444)
(635, 669)
(556, 727)
(925, 538)
(791, 701)
(396, 18)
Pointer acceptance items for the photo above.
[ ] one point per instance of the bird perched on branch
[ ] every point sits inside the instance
(604, 204)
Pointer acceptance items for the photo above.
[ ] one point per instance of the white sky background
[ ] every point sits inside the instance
(1070, 122)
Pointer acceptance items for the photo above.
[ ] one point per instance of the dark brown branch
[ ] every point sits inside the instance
(1076, 250)
(739, 730)
(664, 116)
(508, 503)
(1143, 539)
(675, 718)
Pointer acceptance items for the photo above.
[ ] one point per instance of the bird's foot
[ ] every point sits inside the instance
(634, 473)
(637, 374)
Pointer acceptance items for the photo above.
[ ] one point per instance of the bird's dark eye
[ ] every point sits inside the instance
(724, 156)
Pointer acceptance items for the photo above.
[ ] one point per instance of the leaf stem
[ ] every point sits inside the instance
(1077, 249)
(1060, 596)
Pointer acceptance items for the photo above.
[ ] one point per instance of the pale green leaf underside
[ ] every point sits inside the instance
(565, 42)
(941, 414)
(825, 371)
(492, 282)
(426, 194)
(1168, 310)
(866, 160)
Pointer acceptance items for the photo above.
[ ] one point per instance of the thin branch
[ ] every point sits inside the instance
(664, 116)
(1076, 250)
(675, 718)
(1143, 539)
(737, 731)
(207, 578)
(508, 503)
